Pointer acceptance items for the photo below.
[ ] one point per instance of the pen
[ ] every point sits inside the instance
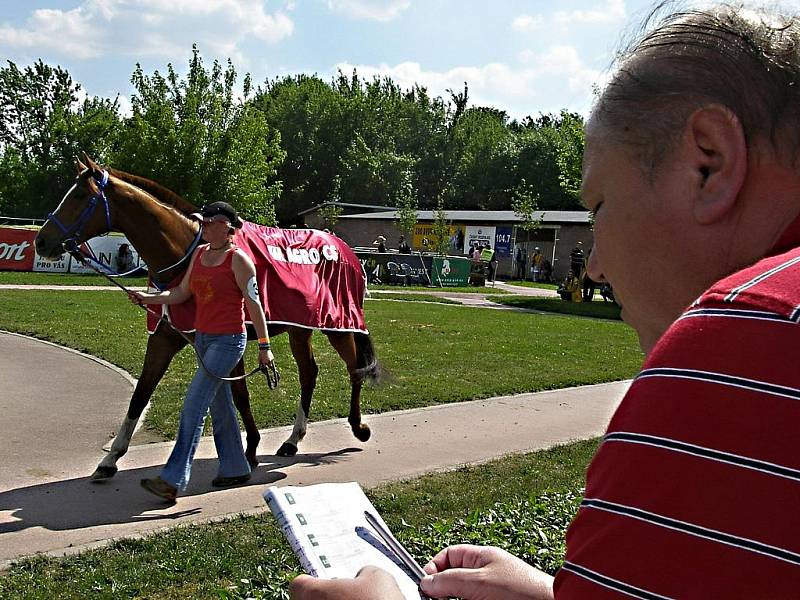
(395, 546)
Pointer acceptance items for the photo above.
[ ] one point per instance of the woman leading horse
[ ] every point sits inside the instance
(221, 278)
(160, 226)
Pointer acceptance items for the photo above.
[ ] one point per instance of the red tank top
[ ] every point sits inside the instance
(220, 305)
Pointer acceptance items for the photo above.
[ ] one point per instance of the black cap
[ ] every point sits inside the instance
(224, 209)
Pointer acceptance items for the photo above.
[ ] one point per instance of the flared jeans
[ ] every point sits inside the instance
(220, 353)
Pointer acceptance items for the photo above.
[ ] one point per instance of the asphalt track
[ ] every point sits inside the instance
(60, 408)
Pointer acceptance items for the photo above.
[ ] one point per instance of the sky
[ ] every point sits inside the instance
(522, 56)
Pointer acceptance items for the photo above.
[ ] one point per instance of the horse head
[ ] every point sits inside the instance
(83, 213)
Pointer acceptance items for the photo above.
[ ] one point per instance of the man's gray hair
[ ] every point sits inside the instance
(745, 59)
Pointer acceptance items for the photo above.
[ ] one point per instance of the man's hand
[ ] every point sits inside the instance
(371, 583)
(484, 573)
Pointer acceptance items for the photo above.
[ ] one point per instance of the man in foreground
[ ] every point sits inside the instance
(694, 144)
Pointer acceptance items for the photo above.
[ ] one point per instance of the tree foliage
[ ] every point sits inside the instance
(296, 142)
(43, 126)
(193, 136)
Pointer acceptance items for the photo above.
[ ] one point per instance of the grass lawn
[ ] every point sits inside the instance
(596, 309)
(531, 284)
(522, 503)
(436, 354)
(23, 278)
(471, 289)
(412, 298)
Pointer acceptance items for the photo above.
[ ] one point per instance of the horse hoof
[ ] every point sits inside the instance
(103, 473)
(287, 449)
(362, 432)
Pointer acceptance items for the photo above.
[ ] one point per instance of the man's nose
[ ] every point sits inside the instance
(593, 267)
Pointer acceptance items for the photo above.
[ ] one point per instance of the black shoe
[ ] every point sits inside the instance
(222, 482)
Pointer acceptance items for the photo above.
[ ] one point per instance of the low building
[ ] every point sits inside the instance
(557, 235)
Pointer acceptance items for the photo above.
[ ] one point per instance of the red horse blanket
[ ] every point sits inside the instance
(307, 278)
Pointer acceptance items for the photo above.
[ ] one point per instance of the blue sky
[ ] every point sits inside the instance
(522, 56)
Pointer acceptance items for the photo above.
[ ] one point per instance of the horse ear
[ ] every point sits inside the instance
(79, 166)
(91, 165)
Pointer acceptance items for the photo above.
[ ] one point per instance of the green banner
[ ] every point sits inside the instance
(450, 271)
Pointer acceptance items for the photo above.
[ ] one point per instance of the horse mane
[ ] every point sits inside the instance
(157, 190)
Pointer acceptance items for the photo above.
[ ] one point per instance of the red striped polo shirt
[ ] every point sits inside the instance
(695, 490)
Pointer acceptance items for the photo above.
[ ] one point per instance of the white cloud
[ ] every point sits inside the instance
(146, 27)
(527, 23)
(375, 10)
(613, 12)
(538, 85)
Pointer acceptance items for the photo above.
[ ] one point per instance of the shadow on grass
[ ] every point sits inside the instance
(80, 503)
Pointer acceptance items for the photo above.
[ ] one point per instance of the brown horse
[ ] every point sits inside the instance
(159, 224)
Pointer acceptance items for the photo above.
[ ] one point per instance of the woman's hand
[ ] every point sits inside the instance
(136, 298)
(484, 573)
(265, 357)
(371, 583)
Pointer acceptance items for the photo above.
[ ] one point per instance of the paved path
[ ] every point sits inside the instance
(60, 408)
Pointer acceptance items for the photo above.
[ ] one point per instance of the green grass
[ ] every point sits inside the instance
(422, 288)
(522, 503)
(531, 284)
(596, 309)
(478, 353)
(412, 298)
(24, 278)
(436, 354)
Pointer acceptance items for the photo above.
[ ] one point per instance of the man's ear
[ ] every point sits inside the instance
(718, 155)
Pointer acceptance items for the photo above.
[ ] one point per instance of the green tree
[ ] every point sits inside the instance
(406, 203)
(441, 230)
(524, 204)
(193, 136)
(569, 153)
(43, 126)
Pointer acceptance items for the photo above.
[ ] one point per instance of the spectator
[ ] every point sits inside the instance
(536, 264)
(570, 288)
(587, 282)
(576, 258)
(692, 145)
(402, 246)
(124, 259)
(380, 242)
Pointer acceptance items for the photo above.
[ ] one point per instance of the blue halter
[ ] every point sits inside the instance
(73, 232)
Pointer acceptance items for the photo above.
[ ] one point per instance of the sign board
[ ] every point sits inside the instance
(415, 269)
(104, 249)
(450, 271)
(478, 235)
(16, 249)
(502, 241)
(425, 239)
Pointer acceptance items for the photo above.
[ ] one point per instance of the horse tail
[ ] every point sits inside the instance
(368, 365)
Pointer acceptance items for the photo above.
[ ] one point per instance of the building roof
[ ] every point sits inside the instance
(483, 216)
(377, 207)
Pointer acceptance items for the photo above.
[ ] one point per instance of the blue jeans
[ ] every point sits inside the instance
(220, 353)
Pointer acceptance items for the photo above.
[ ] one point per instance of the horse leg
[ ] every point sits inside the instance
(303, 353)
(162, 346)
(241, 400)
(344, 344)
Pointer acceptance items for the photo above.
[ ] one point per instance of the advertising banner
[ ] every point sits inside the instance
(502, 241)
(16, 249)
(60, 265)
(450, 271)
(426, 240)
(415, 269)
(104, 249)
(478, 236)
